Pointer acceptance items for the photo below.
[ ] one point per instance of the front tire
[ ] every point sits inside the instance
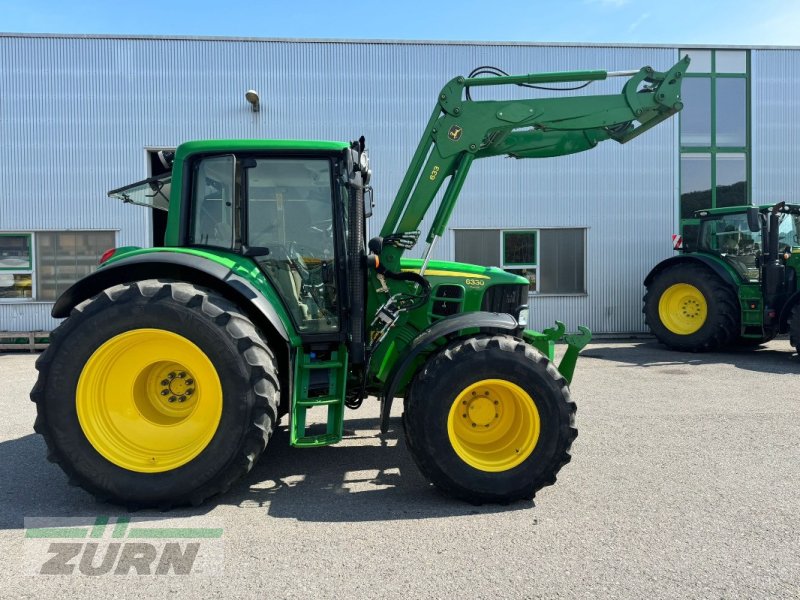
(489, 419)
(689, 308)
(156, 394)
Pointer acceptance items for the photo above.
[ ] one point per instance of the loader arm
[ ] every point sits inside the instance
(461, 130)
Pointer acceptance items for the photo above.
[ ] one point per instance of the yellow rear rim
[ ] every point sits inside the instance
(493, 425)
(682, 309)
(149, 400)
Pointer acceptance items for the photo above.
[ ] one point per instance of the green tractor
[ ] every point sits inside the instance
(737, 283)
(175, 364)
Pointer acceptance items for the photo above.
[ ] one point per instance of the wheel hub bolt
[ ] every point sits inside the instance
(189, 381)
(190, 391)
(165, 392)
(182, 399)
(182, 374)
(171, 375)
(173, 398)
(165, 382)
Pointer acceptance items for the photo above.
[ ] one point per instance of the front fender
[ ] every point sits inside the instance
(425, 340)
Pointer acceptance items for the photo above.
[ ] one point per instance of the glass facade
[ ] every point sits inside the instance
(714, 133)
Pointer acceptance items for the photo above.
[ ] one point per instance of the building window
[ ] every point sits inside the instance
(552, 260)
(16, 261)
(41, 265)
(64, 257)
(715, 137)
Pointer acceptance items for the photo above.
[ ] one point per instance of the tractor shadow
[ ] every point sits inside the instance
(776, 357)
(367, 477)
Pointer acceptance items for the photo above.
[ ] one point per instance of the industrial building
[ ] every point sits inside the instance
(80, 115)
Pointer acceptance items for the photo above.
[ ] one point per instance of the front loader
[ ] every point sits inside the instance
(175, 364)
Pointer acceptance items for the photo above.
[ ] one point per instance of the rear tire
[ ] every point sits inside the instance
(185, 442)
(519, 408)
(794, 328)
(689, 308)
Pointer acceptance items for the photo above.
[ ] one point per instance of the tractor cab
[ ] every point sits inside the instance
(742, 235)
(729, 236)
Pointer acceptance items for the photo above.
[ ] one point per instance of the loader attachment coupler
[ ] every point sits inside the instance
(545, 341)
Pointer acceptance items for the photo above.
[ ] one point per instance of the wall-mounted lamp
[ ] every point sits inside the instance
(252, 98)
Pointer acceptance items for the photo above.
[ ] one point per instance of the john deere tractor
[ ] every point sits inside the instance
(736, 284)
(175, 364)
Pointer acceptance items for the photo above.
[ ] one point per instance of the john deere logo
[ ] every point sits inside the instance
(455, 133)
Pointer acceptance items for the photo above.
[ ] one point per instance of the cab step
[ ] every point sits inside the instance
(318, 382)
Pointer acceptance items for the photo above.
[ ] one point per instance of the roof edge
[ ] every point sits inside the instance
(367, 41)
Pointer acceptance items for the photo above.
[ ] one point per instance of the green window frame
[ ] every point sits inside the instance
(16, 280)
(510, 261)
(27, 267)
(713, 151)
(560, 256)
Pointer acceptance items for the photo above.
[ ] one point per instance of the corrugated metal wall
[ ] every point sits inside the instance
(775, 101)
(76, 114)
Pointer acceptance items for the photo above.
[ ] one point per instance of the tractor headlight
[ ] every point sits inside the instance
(522, 316)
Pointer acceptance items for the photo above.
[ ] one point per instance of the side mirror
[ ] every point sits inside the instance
(255, 251)
(368, 202)
(753, 219)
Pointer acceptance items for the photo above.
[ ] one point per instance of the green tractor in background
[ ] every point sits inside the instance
(737, 283)
(175, 364)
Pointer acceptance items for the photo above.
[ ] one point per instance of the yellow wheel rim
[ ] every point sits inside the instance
(493, 425)
(149, 400)
(682, 309)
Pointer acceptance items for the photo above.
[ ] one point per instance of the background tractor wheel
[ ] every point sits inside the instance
(489, 419)
(156, 393)
(687, 307)
(794, 328)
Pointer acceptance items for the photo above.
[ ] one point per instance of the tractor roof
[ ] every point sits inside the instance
(233, 145)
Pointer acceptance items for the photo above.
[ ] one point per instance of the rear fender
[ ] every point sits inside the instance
(725, 273)
(181, 267)
(200, 271)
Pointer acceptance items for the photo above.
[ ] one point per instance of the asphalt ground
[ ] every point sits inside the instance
(683, 484)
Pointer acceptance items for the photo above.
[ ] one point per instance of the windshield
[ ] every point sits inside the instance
(730, 237)
(290, 212)
(152, 192)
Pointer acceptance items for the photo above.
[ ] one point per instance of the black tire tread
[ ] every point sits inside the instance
(724, 332)
(794, 328)
(445, 361)
(256, 354)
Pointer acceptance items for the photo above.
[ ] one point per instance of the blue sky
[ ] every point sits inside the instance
(747, 22)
